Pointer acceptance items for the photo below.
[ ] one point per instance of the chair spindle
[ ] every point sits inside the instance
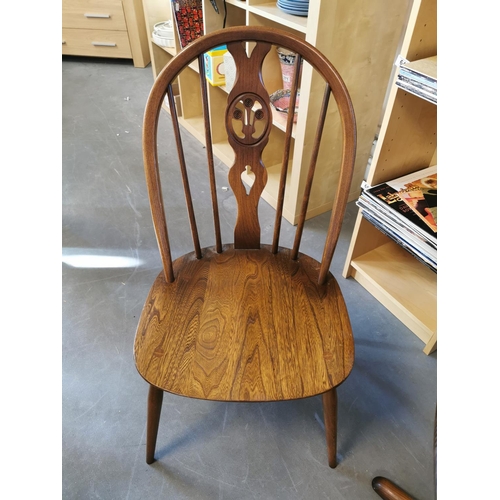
(159, 220)
(185, 180)
(286, 153)
(155, 195)
(310, 173)
(210, 154)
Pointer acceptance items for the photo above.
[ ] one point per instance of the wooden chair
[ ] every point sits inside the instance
(245, 321)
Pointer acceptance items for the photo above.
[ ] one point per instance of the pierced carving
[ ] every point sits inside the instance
(246, 110)
(248, 125)
(248, 179)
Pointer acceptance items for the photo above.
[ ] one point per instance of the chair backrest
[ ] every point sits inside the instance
(248, 105)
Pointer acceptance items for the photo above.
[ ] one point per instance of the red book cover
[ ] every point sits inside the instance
(189, 20)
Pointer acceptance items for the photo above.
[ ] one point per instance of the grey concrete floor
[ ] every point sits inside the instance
(205, 450)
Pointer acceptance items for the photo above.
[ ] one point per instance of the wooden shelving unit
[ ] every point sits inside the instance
(361, 39)
(407, 142)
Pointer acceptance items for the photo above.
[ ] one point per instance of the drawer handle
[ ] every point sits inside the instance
(64, 41)
(106, 16)
(104, 44)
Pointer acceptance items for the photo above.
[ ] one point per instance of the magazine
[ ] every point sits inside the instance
(419, 192)
(419, 77)
(405, 210)
(405, 232)
(388, 197)
(422, 69)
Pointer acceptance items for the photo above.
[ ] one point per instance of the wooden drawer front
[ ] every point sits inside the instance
(100, 43)
(93, 14)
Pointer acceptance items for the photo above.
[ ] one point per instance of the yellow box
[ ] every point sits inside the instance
(214, 66)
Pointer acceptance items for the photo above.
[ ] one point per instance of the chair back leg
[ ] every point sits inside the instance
(155, 399)
(330, 416)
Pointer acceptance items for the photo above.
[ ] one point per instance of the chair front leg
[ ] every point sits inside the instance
(330, 416)
(155, 399)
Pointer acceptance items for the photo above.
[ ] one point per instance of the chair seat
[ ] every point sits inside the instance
(244, 325)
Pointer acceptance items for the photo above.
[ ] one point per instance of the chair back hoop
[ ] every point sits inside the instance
(248, 106)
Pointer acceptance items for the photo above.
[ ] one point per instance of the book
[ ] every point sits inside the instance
(403, 236)
(406, 229)
(188, 15)
(419, 77)
(417, 90)
(388, 197)
(419, 192)
(405, 210)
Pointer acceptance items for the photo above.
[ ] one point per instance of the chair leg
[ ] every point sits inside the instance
(388, 490)
(330, 416)
(155, 399)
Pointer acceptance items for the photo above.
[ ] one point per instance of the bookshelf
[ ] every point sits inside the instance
(360, 37)
(407, 142)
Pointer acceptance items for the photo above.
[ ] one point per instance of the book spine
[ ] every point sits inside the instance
(418, 92)
(417, 77)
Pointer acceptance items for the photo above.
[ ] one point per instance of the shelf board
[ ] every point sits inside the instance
(279, 121)
(270, 193)
(426, 67)
(237, 3)
(194, 125)
(402, 284)
(173, 52)
(273, 13)
(168, 50)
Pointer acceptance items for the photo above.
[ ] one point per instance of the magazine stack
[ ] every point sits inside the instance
(419, 78)
(405, 210)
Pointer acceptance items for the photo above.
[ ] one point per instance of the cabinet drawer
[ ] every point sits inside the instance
(93, 14)
(100, 43)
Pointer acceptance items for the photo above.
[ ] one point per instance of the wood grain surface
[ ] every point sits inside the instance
(244, 325)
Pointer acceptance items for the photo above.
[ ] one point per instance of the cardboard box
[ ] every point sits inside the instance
(229, 70)
(214, 66)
